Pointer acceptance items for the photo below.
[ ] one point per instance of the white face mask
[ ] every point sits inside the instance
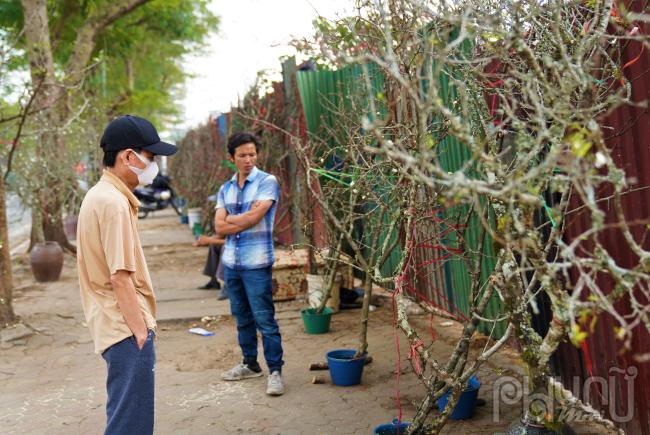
(146, 175)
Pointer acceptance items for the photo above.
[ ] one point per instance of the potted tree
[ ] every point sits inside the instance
(320, 288)
(362, 217)
(503, 126)
(493, 121)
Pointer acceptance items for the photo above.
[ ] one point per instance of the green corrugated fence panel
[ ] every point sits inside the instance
(323, 93)
(453, 155)
(319, 94)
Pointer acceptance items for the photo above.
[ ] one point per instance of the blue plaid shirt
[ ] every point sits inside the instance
(252, 248)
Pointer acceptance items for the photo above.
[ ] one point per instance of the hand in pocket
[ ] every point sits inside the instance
(141, 340)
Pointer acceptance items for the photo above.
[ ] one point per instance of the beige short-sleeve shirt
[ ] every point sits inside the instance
(108, 241)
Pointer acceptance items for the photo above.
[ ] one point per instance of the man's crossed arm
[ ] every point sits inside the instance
(232, 224)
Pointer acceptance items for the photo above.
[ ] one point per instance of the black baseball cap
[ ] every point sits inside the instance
(130, 131)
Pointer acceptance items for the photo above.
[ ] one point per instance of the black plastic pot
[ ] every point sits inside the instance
(523, 426)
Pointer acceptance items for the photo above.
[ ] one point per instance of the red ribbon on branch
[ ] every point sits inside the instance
(415, 356)
(632, 62)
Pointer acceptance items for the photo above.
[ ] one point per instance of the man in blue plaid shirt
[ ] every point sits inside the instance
(245, 213)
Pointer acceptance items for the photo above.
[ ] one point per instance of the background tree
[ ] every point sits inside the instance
(199, 168)
(99, 51)
(13, 115)
(261, 110)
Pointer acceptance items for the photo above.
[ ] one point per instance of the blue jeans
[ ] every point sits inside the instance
(251, 303)
(130, 387)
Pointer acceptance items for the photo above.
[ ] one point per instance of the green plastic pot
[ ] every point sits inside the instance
(316, 323)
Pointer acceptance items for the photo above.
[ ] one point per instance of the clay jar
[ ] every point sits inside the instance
(46, 260)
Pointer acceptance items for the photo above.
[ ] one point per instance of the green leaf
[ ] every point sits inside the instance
(579, 142)
(577, 335)
(228, 164)
(620, 332)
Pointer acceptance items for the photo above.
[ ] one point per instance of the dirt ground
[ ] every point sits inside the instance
(52, 383)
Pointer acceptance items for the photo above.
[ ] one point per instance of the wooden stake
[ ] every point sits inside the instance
(324, 366)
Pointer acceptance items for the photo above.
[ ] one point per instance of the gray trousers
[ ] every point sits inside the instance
(213, 266)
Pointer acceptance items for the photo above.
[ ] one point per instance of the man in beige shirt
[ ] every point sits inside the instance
(116, 290)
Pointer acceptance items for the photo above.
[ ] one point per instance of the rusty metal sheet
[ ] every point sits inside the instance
(629, 140)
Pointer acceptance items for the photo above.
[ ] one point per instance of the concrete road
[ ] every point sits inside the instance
(20, 221)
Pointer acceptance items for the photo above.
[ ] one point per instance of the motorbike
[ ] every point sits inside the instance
(157, 196)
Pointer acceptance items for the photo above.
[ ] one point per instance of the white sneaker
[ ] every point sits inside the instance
(275, 386)
(239, 372)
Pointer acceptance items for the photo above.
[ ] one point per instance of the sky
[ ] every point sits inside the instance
(252, 36)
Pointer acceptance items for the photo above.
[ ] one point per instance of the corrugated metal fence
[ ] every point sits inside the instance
(327, 97)
(626, 397)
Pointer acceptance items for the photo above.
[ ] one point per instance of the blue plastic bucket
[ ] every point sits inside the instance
(391, 428)
(466, 405)
(184, 219)
(343, 369)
